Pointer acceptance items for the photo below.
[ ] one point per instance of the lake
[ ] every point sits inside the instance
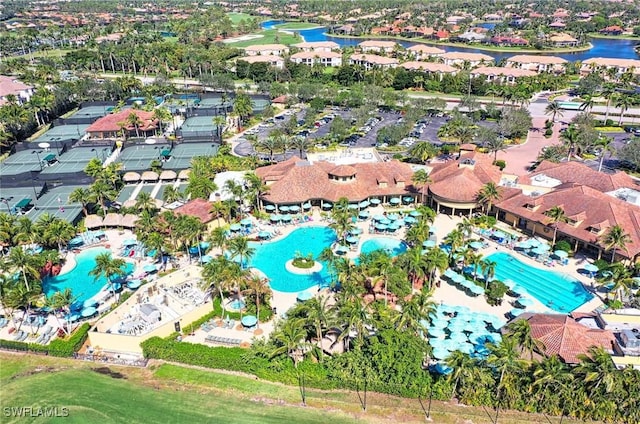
(602, 47)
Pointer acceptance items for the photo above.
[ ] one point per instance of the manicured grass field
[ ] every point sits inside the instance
(297, 25)
(237, 17)
(270, 36)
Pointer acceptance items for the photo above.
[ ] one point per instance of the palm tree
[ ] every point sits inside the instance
(623, 102)
(107, 266)
(58, 232)
(171, 194)
(435, 260)
(26, 263)
(423, 151)
(606, 144)
(219, 121)
(587, 103)
(462, 374)
(82, 195)
(383, 264)
(554, 109)
(318, 311)
(620, 277)
(505, 360)
(162, 114)
(556, 215)
(608, 91)
(289, 338)
(489, 138)
(551, 377)
(242, 106)
(488, 194)
(520, 330)
(419, 306)
(421, 177)
(301, 144)
(144, 202)
(258, 287)
(413, 262)
(221, 273)
(239, 247)
(62, 300)
(615, 238)
(134, 120)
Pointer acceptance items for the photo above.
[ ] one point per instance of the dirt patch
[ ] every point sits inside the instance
(38, 370)
(108, 371)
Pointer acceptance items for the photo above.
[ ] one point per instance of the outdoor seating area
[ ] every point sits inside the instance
(189, 291)
(226, 341)
(531, 247)
(462, 283)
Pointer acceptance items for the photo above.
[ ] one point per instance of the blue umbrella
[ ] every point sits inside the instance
(129, 242)
(423, 323)
(534, 242)
(526, 244)
(384, 221)
(407, 199)
(235, 227)
(306, 205)
(591, 268)
(294, 208)
(327, 205)
(519, 290)
(381, 227)
(283, 208)
(457, 278)
(466, 347)
(286, 218)
(439, 323)
(374, 201)
(458, 337)
(543, 247)
(134, 284)
(304, 295)
(429, 244)
(88, 312)
(394, 200)
(509, 283)
(432, 229)
(264, 234)
(499, 234)
(442, 369)
(249, 320)
(270, 208)
(439, 353)
(149, 268)
(353, 206)
(561, 254)
(245, 222)
(436, 333)
(364, 204)
(476, 245)
(379, 217)
(206, 259)
(363, 214)
(204, 245)
(355, 231)
(516, 312)
(275, 217)
(352, 240)
(89, 303)
(415, 213)
(392, 216)
(525, 302)
(409, 220)
(342, 249)
(72, 317)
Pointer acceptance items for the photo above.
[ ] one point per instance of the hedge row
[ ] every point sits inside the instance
(58, 347)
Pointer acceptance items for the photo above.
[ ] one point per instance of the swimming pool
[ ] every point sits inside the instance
(392, 246)
(271, 257)
(559, 292)
(82, 285)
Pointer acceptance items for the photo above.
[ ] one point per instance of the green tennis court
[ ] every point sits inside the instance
(147, 188)
(76, 160)
(92, 112)
(14, 196)
(126, 193)
(62, 133)
(214, 102)
(139, 157)
(198, 123)
(22, 162)
(56, 202)
(182, 154)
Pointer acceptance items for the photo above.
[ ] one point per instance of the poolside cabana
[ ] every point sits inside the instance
(149, 176)
(111, 220)
(92, 221)
(129, 221)
(184, 174)
(168, 175)
(131, 177)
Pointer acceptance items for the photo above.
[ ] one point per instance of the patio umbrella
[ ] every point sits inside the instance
(283, 208)
(381, 227)
(363, 214)
(234, 227)
(306, 206)
(457, 278)
(286, 218)
(374, 201)
(525, 244)
(534, 242)
(496, 338)
(432, 229)
(407, 199)
(414, 213)
(392, 216)
(544, 247)
(270, 208)
(439, 323)
(149, 268)
(436, 333)
(519, 290)
(394, 200)
(264, 234)
(352, 240)
(129, 242)
(275, 217)
(206, 259)
(353, 206)
(509, 283)
(561, 254)
(440, 353)
(249, 320)
(88, 312)
(384, 221)
(525, 302)
(538, 251)
(379, 217)
(466, 347)
(499, 234)
(134, 284)
(446, 308)
(294, 208)
(245, 222)
(204, 245)
(442, 369)
(304, 295)
(72, 317)
(327, 205)
(476, 290)
(364, 204)
(355, 231)
(591, 268)
(89, 303)
(409, 220)
(516, 312)
(429, 244)
(423, 323)
(394, 226)
(342, 249)
(458, 337)
(476, 245)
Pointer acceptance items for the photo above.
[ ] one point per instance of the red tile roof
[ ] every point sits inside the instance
(111, 123)
(296, 180)
(574, 172)
(563, 336)
(200, 208)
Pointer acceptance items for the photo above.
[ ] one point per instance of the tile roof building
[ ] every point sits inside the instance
(316, 46)
(11, 86)
(562, 335)
(317, 57)
(266, 50)
(621, 66)
(421, 51)
(111, 126)
(460, 58)
(377, 46)
(199, 208)
(501, 75)
(369, 61)
(430, 68)
(271, 60)
(592, 201)
(296, 181)
(537, 63)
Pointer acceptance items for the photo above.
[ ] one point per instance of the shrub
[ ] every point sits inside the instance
(563, 245)
(548, 124)
(303, 263)
(500, 164)
(59, 347)
(495, 292)
(548, 133)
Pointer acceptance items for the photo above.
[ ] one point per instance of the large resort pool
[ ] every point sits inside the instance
(557, 291)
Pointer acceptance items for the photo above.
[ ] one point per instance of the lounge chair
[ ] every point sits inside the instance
(3, 322)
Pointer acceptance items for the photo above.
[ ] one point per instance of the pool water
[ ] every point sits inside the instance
(271, 257)
(559, 292)
(392, 246)
(82, 285)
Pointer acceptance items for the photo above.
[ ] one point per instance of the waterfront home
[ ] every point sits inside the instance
(537, 63)
(620, 66)
(563, 40)
(370, 61)
(424, 52)
(612, 30)
(461, 58)
(433, 68)
(266, 50)
(11, 86)
(321, 57)
(317, 46)
(501, 75)
(377, 46)
(346, 29)
(502, 40)
(115, 124)
(272, 60)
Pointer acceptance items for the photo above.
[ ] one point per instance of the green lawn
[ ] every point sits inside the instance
(46, 53)
(237, 17)
(270, 36)
(297, 25)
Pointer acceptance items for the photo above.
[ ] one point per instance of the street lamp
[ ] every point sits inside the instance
(6, 202)
(37, 152)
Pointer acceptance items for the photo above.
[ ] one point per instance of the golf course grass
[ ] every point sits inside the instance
(297, 25)
(237, 17)
(270, 36)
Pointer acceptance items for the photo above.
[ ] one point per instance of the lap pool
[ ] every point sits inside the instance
(82, 285)
(558, 291)
(271, 257)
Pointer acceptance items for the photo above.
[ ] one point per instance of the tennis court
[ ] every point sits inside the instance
(139, 157)
(91, 112)
(56, 202)
(126, 193)
(147, 188)
(62, 133)
(214, 102)
(22, 162)
(14, 196)
(182, 154)
(76, 160)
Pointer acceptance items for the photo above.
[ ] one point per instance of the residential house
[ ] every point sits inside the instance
(111, 38)
(459, 59)
(439, 69)
(370, 61)
(456, 19)
(377, 46)
(557, 25)
(441, 35)
(11, 86)
(266, 50)
(346, 29)
(501, 75)
(272, 60)
(563, 40)
(113, 125)
(503, 40)
(537, 63)
(424, 52)
(612, 30)
(317, 46)
(471, 37)
(319, 57)
(620, 66)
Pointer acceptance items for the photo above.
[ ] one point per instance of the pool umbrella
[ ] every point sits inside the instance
(458, 337)
(88, 312)
(439, 323)
(364, 204)
(457, 326)
(355, 231)
(449, 273)
(534, 242)
(509, 283)
(433, 229)
(392, 216)
(275, 217)
(342, 249)
(436, 333)
(525, 302)
(304, 296)
(409, 220)
(89, 303)
(72, 317)
(235, 227)
(134, 284)
(384, 221)
(306, 206)
(381, 227)
(245, 222)
(374, 201)
(294, 208)
(499, 234)
(407, 199)
(543, 247)
(264, 234)
(286, 218)
(353, 206)
(591, 268)
(439, 353)
(537, 251)
(193, 250)
(394, 200)
(446, 308)
(379, 217)
(270, 208)
(352, 240)
(327, 205)
(476, 245)
(283, 208)
(477, 290)
(561, 254)
(516, 312)
(442, 369)
(457, 278)
(466, 347)
(429, 244)
(519, 290)
(423, 323)
(526, 244)
(149, 268)
(206, 259)
(249, 320)
(363, 214)
(204, 245)
(496, 338)
(129, 242)
(394, 226)
(415, 213)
